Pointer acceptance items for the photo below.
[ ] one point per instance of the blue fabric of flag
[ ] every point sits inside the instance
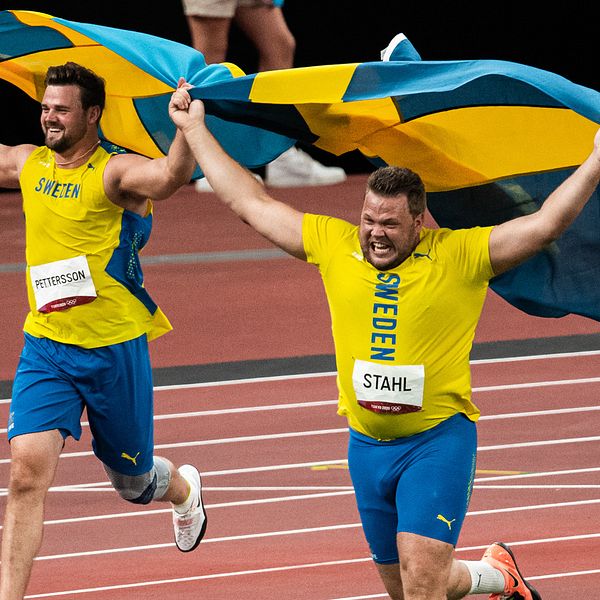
(490, 139)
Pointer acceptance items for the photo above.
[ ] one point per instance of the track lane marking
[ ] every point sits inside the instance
(319, 432)
(311, 565)
(477, 513)
(274, 378)
(320, 403)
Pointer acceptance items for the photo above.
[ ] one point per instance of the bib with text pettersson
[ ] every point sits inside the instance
(62, 284)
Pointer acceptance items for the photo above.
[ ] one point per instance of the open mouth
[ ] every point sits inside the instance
(380, 248)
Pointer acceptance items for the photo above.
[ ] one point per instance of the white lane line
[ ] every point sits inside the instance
(319, 403)
(488, 361)
(238, 471)
(529, 578)
(537, 474)
(491, 511)
(219, 441)
(534, 384)
(580, 440)
(301, 566)
(105, 486)
(540, 413)
(559, 486)
(244, 381)
(247, 380)
(317, 432)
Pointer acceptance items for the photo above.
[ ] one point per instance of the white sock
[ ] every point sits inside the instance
(187, 503)
(484, 577)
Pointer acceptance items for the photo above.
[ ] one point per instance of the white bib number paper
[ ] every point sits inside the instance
(393, 389)
(62, 284)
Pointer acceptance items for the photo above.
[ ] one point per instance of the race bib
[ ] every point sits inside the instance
(62, 284)
(393, 389)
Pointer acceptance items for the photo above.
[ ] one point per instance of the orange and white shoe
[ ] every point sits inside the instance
(500, 556)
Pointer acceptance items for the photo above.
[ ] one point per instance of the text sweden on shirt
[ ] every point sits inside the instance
(392, 389)
(384, 322)
(56, 189)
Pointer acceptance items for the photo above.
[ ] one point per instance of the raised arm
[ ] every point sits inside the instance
(516, 240)
(130, 179)
(234, 185)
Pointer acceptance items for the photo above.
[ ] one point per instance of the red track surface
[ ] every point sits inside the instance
(282, 519)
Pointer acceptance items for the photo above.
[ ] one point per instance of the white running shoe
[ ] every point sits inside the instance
(202, 185)
(190, 527)
(295, 168)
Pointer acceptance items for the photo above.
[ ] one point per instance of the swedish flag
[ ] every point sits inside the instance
(490, 138)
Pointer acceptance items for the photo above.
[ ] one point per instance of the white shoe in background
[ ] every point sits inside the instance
(202, 185)
(295, 168)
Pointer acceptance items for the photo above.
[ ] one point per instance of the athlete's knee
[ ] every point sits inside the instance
(425, 565)
(142, 489)
(33, 462)
(24, 478)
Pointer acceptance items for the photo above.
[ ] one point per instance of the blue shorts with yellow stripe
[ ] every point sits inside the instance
(419, 484)
(55, 382)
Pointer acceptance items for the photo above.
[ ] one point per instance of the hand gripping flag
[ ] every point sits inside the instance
(141, 73)
(489, 138)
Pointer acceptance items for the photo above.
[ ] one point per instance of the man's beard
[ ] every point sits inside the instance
(62, 141)
(59, 145)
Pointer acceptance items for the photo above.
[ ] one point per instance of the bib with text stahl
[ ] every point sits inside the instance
(388, 389)
(62, 284)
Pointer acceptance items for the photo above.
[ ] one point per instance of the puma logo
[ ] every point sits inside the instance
(444, 520)
(133, 459)
(423, 255)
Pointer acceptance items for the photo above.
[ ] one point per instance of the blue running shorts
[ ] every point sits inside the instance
(55, 382)
(419, 484)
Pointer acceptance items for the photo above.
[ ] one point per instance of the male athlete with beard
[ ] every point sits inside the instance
(88, 213)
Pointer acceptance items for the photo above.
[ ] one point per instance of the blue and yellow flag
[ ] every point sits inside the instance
(490, 138)
(141, 72)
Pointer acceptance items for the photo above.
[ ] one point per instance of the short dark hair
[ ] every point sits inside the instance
(392, 181)
(90, 84)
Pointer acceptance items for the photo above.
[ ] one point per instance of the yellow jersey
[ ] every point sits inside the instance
(84, 280)
(402, 336)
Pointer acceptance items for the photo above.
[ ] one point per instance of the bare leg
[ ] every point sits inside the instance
(390, 575)
(34, 458)
(267, 30)
(427, 571)
(210, 35)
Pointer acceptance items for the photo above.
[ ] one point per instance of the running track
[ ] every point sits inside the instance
(282, 520)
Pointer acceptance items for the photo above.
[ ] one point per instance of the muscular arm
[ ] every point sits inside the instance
(515, 241)
(130, 179)
(12, 159)
(238, 189)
